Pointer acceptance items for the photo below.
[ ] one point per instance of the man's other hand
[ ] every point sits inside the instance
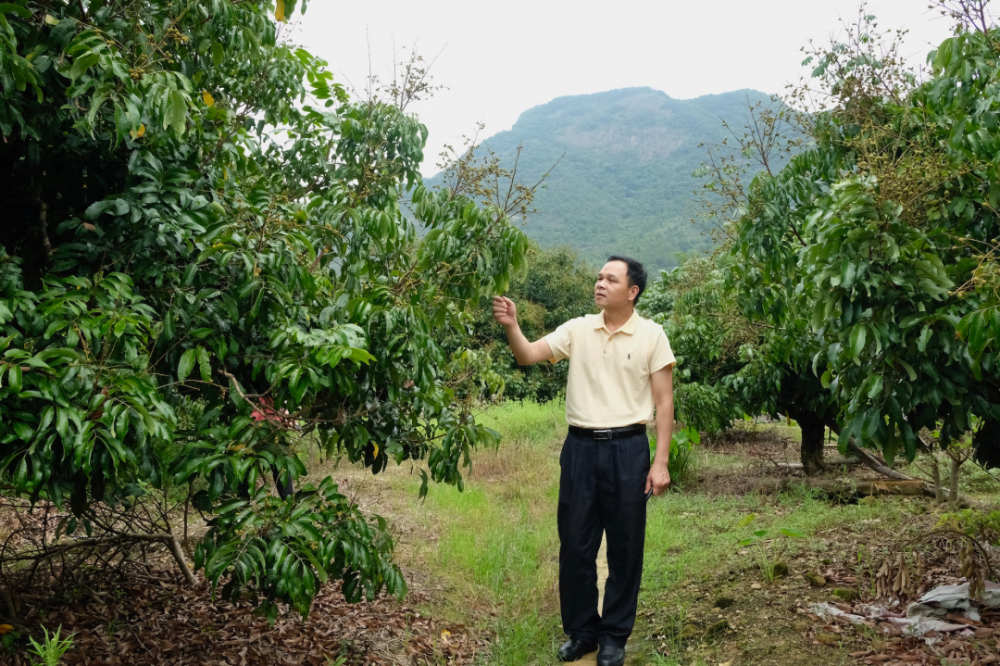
(504, 311)
(658, 479)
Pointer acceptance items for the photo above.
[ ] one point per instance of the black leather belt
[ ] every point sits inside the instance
(608, 433)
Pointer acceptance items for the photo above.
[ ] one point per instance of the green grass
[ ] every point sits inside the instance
(497, 549)
(498, 544)
(526, 422)
(686, 531)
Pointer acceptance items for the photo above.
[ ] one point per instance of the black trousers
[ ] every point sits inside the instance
(601, 490)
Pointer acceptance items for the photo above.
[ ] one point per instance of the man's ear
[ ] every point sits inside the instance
(633, 292)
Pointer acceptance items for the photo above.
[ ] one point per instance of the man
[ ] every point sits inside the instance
(620, 370)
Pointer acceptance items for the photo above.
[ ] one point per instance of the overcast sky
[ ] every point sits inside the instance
(498, 59)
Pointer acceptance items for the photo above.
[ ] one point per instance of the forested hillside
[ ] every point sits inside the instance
(624, 182)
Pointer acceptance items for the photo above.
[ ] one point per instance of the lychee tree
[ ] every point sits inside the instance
(203, 261)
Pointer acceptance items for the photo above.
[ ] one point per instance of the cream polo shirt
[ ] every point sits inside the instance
(608, 385)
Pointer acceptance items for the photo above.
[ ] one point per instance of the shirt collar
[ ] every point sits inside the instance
(628, 328)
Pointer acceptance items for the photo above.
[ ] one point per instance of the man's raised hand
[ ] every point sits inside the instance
(526, 353)
(504, 311)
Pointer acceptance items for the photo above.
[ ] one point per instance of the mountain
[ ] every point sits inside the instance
(624, 184)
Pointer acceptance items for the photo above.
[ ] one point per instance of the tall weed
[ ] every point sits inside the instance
(682, 454)
(52, 648)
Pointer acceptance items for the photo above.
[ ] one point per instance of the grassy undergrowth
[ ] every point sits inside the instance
(498, 544)
(496, 551)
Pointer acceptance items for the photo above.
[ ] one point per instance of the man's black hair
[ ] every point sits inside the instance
(636, 274)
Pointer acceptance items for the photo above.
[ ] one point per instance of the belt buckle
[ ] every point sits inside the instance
(602, 434)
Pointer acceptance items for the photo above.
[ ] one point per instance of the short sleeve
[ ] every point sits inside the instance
(660, 354)
(561, 340)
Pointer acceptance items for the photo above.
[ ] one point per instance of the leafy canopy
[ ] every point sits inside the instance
(205, 263)
(864, 247)
(858, 282)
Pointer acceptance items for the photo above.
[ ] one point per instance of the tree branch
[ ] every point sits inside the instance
(43, 224)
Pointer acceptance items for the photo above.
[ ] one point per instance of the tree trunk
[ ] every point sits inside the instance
(955, 464)
(936, 473)
(187, 508)
(813, 438)
(175, 550)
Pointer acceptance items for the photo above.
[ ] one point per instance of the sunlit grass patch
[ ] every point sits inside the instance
(529, 422)
(499, 549)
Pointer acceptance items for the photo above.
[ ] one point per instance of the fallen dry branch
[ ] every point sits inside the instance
(90, 545)
(876, 463)
(796, 467)
(929, 490)
(42, 542)
(845, 488)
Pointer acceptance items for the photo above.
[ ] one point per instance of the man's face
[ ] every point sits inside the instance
(612, 289)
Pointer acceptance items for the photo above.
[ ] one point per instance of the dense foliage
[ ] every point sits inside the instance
(204, 262)
(865, 260)
(891, 204)
(732, 366)
(709, 338)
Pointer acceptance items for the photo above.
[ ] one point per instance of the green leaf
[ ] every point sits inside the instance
(95, 209)
(204, 365)
(870, 424)
(176, 115)
(925, 336)
(82, 64)
(21, 475)
(876, 387)
(825, 379)
(189, 275)
(186, 364)
(320, 571)
(14, 377)
(857, 341)
(7, 8)
(889, 451)
(978, 334)
(909, 369)
(849, 271)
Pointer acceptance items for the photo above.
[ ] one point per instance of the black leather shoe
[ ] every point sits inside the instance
(611, 656)
(572, 650)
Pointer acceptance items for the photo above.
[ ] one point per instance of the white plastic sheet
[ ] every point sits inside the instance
(925, 614)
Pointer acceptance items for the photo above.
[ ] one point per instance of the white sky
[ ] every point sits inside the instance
(498, 59)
